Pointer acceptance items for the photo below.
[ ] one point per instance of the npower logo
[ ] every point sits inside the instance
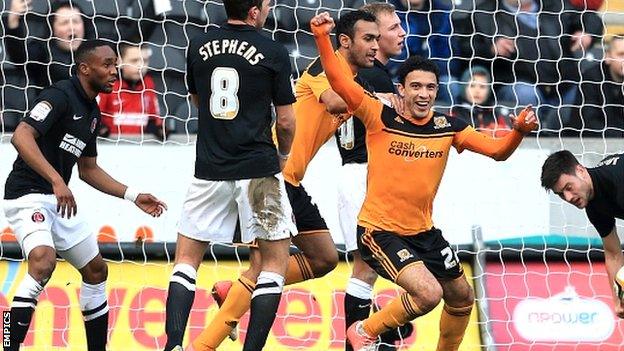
(564, 317)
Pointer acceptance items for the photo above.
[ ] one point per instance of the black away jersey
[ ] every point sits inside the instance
(608, 201)
(237, 74)
(66, 120)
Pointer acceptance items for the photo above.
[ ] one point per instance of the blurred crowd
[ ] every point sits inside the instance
(495, 56)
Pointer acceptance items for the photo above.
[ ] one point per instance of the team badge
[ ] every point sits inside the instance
(440, 122)
(38, 217)
(40, 111)
(404, 255)
(93, 124)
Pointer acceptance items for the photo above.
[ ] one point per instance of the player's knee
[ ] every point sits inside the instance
(427, 297)
(99, 272)
(41, 264)
(324, 263)
(366, 275)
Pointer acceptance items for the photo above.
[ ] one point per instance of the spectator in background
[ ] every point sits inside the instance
(429, 29)
(599, 105)
(132, 107)
(533, 47)
(476, 106)
(48, 61)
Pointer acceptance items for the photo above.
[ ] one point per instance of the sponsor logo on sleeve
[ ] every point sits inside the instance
(40, 111)
(565, 317)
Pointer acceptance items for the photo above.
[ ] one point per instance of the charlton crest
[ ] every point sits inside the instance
(38, 217)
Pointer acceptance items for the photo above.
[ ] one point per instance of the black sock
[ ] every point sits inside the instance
(356, 309)
(97, 328)
(264, 303)
(20, 322)
(179, 302)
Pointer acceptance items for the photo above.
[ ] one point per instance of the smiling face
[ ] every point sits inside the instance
(68, 28)
(576, 188)
(419, 91)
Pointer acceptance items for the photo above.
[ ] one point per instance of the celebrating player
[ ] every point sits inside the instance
(59, 131)
(357, 37)
(351, 140)
(598, 190)
(407, 156)
(234, 75)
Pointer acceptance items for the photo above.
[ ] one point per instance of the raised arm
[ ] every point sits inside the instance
(501, 148)
(341, 80)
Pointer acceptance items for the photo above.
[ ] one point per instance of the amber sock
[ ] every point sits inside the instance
(398, 312)
(453, 323)
(299, 269)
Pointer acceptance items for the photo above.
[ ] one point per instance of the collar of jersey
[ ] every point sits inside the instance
(76, 82)
(242, 27)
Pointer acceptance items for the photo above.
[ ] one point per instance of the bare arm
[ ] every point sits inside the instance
(24, 142)
(92, 174)
(614, 260)
(284, 129)
(195, 100)
(334, 104)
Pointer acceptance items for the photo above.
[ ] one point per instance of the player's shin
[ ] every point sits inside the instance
(237, 302)
(453, 324)
(357, 303)
(22, 308)
(94, 307)
(398, 312)
(264, 302)
(179, 301)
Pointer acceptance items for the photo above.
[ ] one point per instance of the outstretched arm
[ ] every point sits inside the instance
(92, 174)
(501, 148)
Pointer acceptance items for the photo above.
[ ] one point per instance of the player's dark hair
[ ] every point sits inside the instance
(87, 48)
(557, 164)
(238, 9)
(346, 23)
(417, 63)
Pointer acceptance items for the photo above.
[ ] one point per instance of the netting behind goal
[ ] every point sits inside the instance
(538, 270)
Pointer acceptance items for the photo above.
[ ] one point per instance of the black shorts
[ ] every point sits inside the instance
(388, 253)
(307, 215)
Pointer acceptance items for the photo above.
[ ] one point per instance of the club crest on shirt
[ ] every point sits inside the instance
(93, 124)
(40, 111)
(440, 122)
(404, 255)
(38, 217)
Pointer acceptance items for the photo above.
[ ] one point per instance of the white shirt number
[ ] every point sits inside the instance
(224, 85)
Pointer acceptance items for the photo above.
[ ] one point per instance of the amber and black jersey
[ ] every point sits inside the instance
(406, 160)
(376, 79)
(314, 124)
(608, 202)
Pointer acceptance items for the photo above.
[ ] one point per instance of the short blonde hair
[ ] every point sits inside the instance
(377, 8)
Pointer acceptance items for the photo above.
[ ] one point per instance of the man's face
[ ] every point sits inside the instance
(477, 90)
(615, 57)
(68, 27)
(413, 4)
(264, 14)
(102, 68)
(419, 92)
(573, 188)
(391, 33)
(364, 46)
(134, 63)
